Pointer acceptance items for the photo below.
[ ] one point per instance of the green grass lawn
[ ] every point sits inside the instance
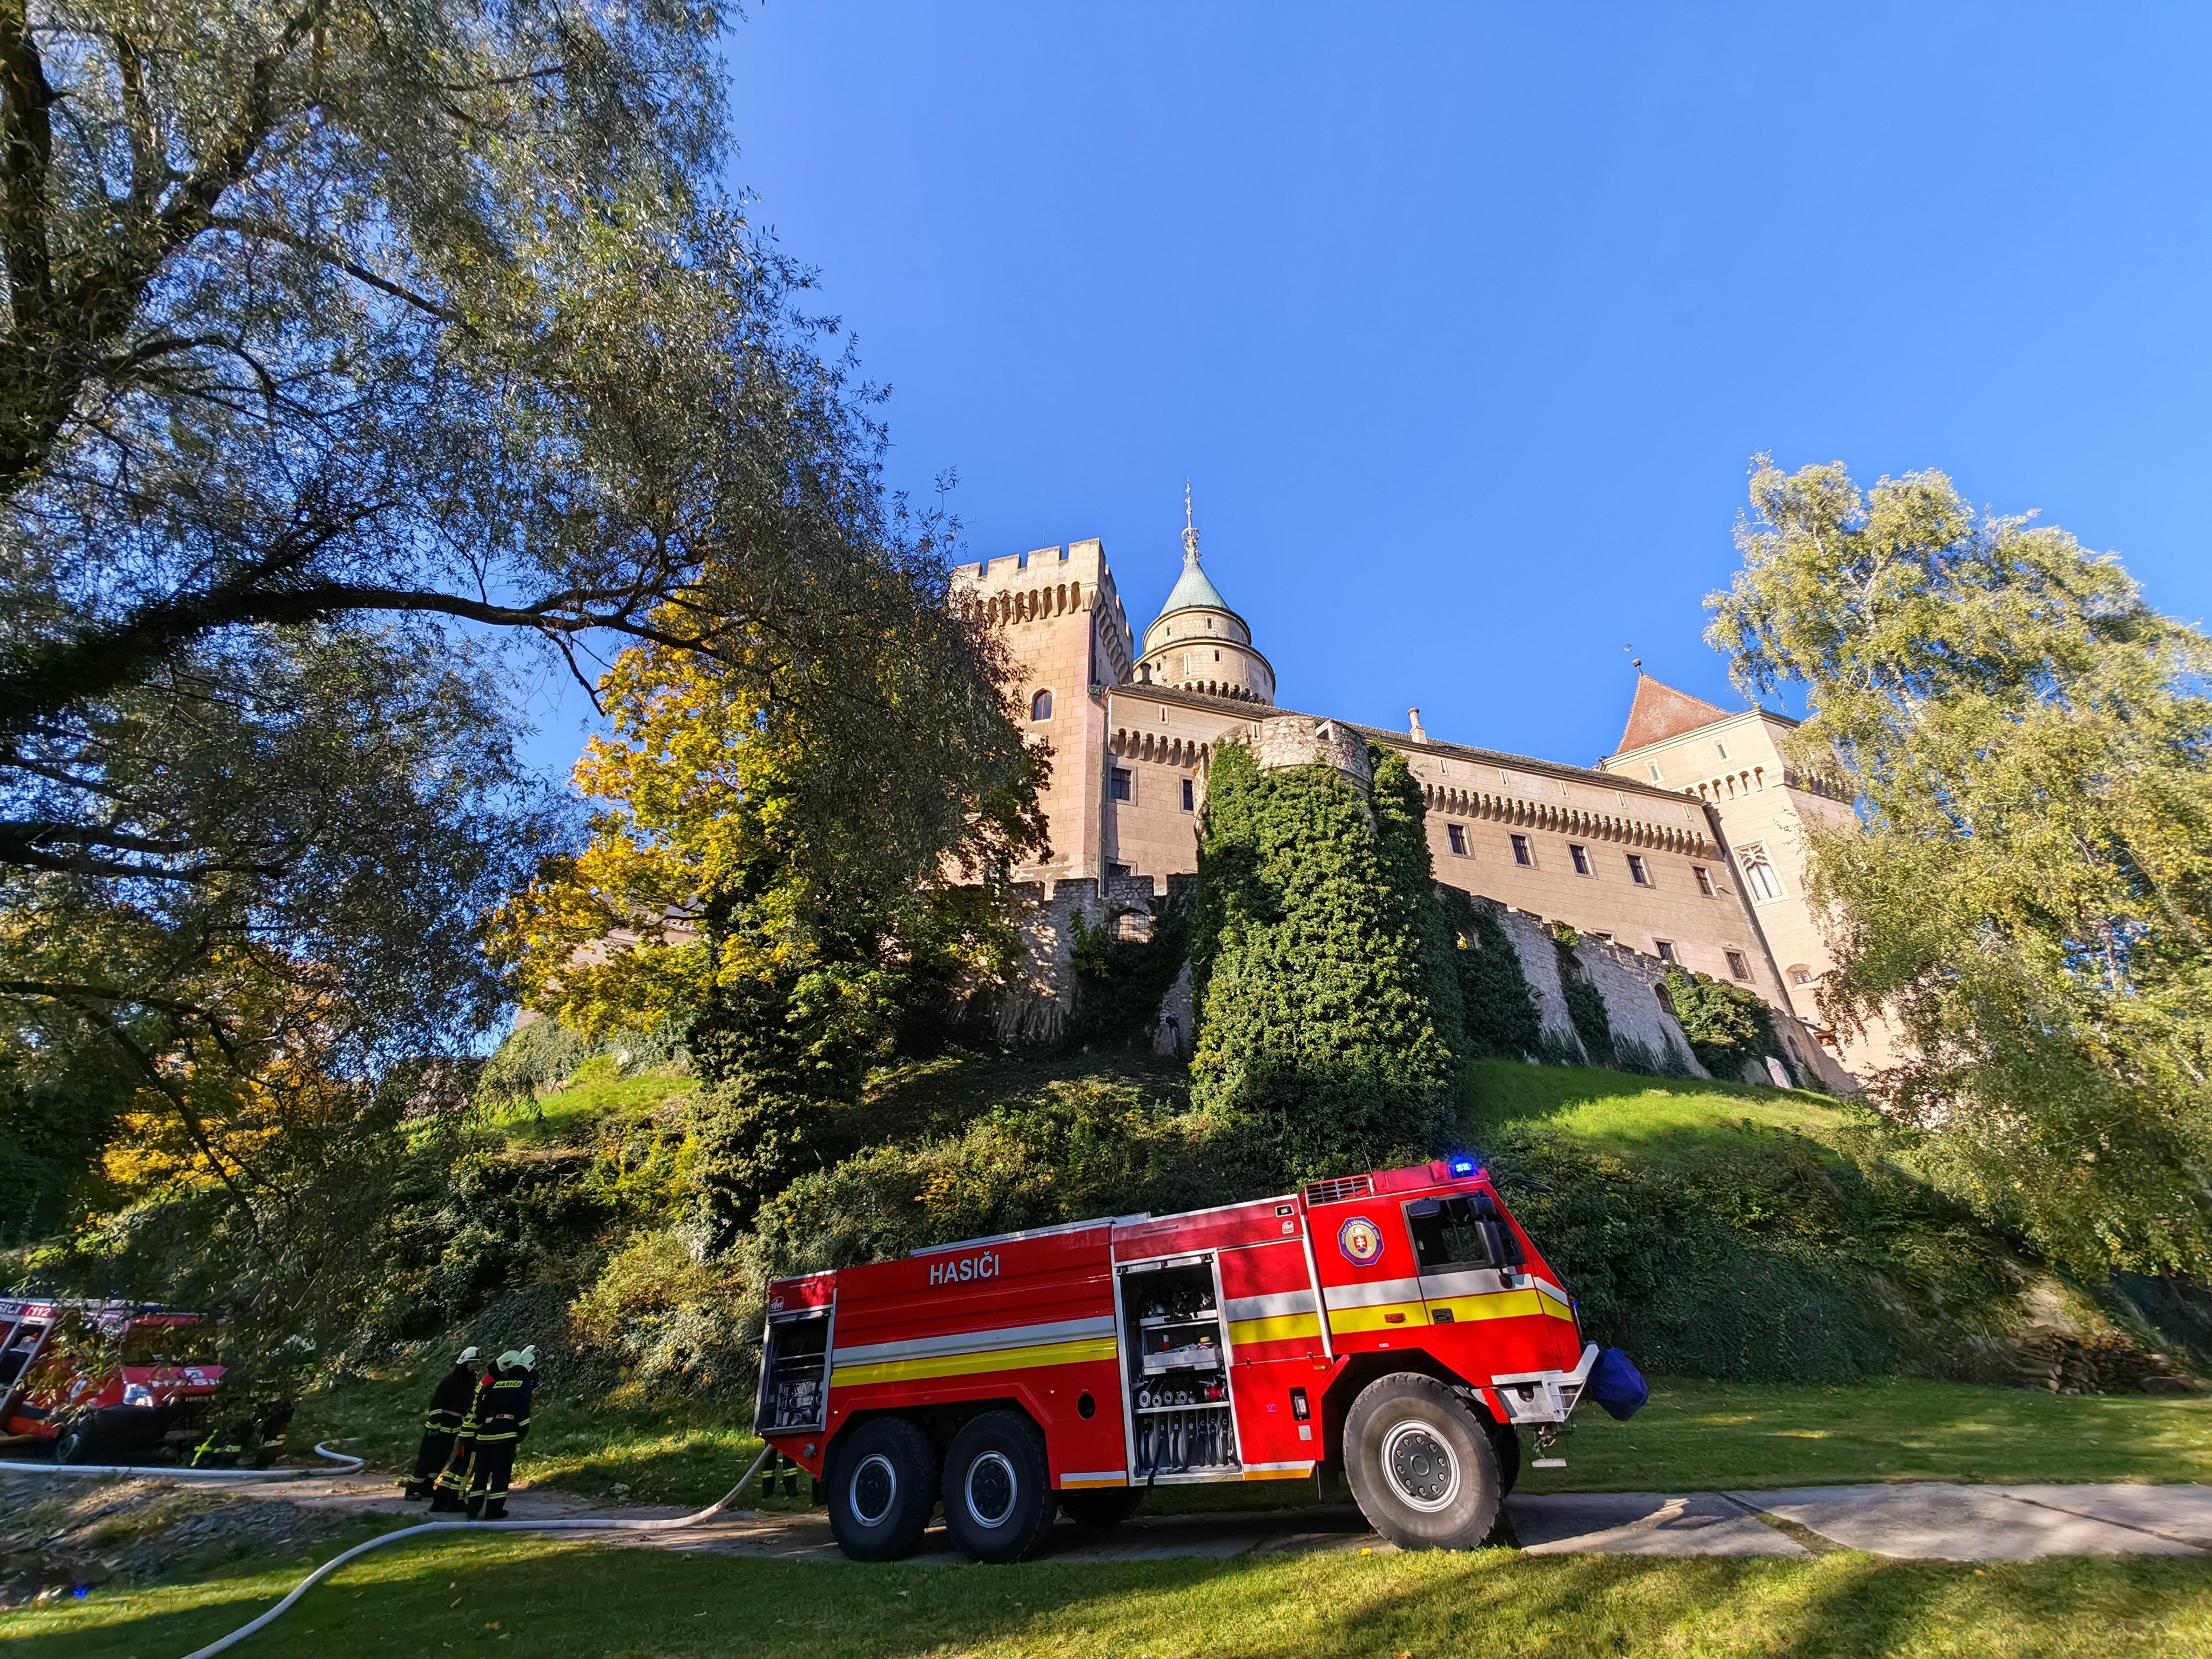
(556, 1601)
(1654, 1119)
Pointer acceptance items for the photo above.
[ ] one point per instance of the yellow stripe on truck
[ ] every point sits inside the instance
(1464, 1309)
(964, 1364)
(1282, 1328)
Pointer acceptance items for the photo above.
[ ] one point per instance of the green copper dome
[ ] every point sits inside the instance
(1194, 589)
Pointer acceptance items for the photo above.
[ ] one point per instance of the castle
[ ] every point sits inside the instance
(1684, 846)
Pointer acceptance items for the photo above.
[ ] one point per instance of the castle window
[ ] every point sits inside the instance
(1704, 879)
(1738, 966)
(1041, 705)
(1580, 855)
(1521, 853)
(1189, 796)
(1458, 838)
(1801, 974)
(1758, 871)
(1652, 767)
(1637, 873)
(1666, 948)
(1720, 749)
(1117, 785)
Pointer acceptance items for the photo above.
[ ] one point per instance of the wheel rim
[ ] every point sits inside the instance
(874, 1490)
(992, 1490)
(1419, 1466)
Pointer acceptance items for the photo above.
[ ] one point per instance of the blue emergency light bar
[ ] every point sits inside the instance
(1461, 1166)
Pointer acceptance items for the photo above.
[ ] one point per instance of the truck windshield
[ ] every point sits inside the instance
(183, 1345)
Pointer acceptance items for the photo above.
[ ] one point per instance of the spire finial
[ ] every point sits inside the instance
(1634, 661)
(1189, 529)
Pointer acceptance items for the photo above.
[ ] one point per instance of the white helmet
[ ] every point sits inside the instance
(466, 1356)
(528, 1357)
(510, 1359)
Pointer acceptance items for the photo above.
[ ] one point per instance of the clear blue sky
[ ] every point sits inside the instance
(1463, 321)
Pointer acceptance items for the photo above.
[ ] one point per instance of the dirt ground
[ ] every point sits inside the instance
(56, 1535)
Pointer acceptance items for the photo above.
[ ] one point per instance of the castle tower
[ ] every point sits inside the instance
(1065, 628)
(1197, 643)
(1763, 803)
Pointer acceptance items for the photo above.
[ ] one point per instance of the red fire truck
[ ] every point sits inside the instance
(1398, 1330)
(104, 1379)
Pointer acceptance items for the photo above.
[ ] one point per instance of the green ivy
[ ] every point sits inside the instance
(1726, 1024)
(1318, 954)
(1119, 982)
(1498, 1007)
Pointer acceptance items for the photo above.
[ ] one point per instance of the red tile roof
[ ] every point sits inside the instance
(1660, 712)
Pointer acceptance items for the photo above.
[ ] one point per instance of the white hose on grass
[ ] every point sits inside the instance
(448, 1529)
(343, 1462)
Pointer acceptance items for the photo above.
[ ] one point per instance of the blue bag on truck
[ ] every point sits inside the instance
(1617, 1385)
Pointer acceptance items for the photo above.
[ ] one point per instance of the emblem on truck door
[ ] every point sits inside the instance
(1361, 1241)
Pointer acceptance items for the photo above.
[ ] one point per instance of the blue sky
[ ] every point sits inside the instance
(1463, 321)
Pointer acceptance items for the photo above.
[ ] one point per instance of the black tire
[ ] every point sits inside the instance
(1421, 1464)
(999, 1500)
(883, 1486)
(1506, 1441)
(1100, 1509)
(77, 1444)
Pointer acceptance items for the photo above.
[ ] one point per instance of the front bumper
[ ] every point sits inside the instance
(1541, 1396)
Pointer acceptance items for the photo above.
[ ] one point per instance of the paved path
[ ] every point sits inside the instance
(1915, 1520)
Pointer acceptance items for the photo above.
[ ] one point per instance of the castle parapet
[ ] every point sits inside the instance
(1289, 741)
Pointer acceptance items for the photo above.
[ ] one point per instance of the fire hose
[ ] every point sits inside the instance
(345, 1464)
(449, 1528)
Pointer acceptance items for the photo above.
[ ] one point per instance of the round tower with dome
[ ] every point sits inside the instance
(1197, 643)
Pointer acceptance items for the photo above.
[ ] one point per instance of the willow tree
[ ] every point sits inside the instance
(1328, 1010)
(2027, 896)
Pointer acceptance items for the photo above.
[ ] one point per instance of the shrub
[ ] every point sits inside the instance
(671, 1317)
(1121, 982)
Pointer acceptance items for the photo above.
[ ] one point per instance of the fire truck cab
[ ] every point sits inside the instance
(1396, 1328)
(104, 1379)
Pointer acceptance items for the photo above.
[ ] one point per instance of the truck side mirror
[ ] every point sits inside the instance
(1494, 1243)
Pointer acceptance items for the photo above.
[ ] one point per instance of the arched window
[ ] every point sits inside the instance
(1041, 705)
(1759, 873)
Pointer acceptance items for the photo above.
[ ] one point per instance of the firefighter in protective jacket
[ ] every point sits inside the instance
(502, 1418)
(453, 1482)
(441, 1424)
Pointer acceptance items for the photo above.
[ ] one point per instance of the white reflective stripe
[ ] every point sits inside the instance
(1379, 1293)
(1096, 1474)
(1483, 1281)
(1008, 1336)
(1276, 1305)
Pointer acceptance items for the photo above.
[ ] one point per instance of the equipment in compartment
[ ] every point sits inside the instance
(791, 1393)
(1177, 1383)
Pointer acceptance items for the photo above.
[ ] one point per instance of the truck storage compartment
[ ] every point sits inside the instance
(794, 1388)
(1177, 1378)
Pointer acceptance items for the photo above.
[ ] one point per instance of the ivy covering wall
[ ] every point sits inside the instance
(1498, 1007)
(1328, 1011)
(1726, 1024)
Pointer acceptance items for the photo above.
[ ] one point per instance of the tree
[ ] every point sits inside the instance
(793, 878)
(260, 871)
(2027, 896)
(1327, 1001)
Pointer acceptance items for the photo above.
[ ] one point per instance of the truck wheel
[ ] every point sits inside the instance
(75, 1443)
(1421, 1465)
(999, 1499)
(882, 1486)
(1101, 1508)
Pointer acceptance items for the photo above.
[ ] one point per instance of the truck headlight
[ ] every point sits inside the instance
(137, 1393)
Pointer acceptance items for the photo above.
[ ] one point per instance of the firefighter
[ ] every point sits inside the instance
(441, 1424)
(453, 1482)
(502, 1418)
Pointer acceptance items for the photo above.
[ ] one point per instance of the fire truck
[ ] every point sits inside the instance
(1395, 1330)
(93, 1379)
